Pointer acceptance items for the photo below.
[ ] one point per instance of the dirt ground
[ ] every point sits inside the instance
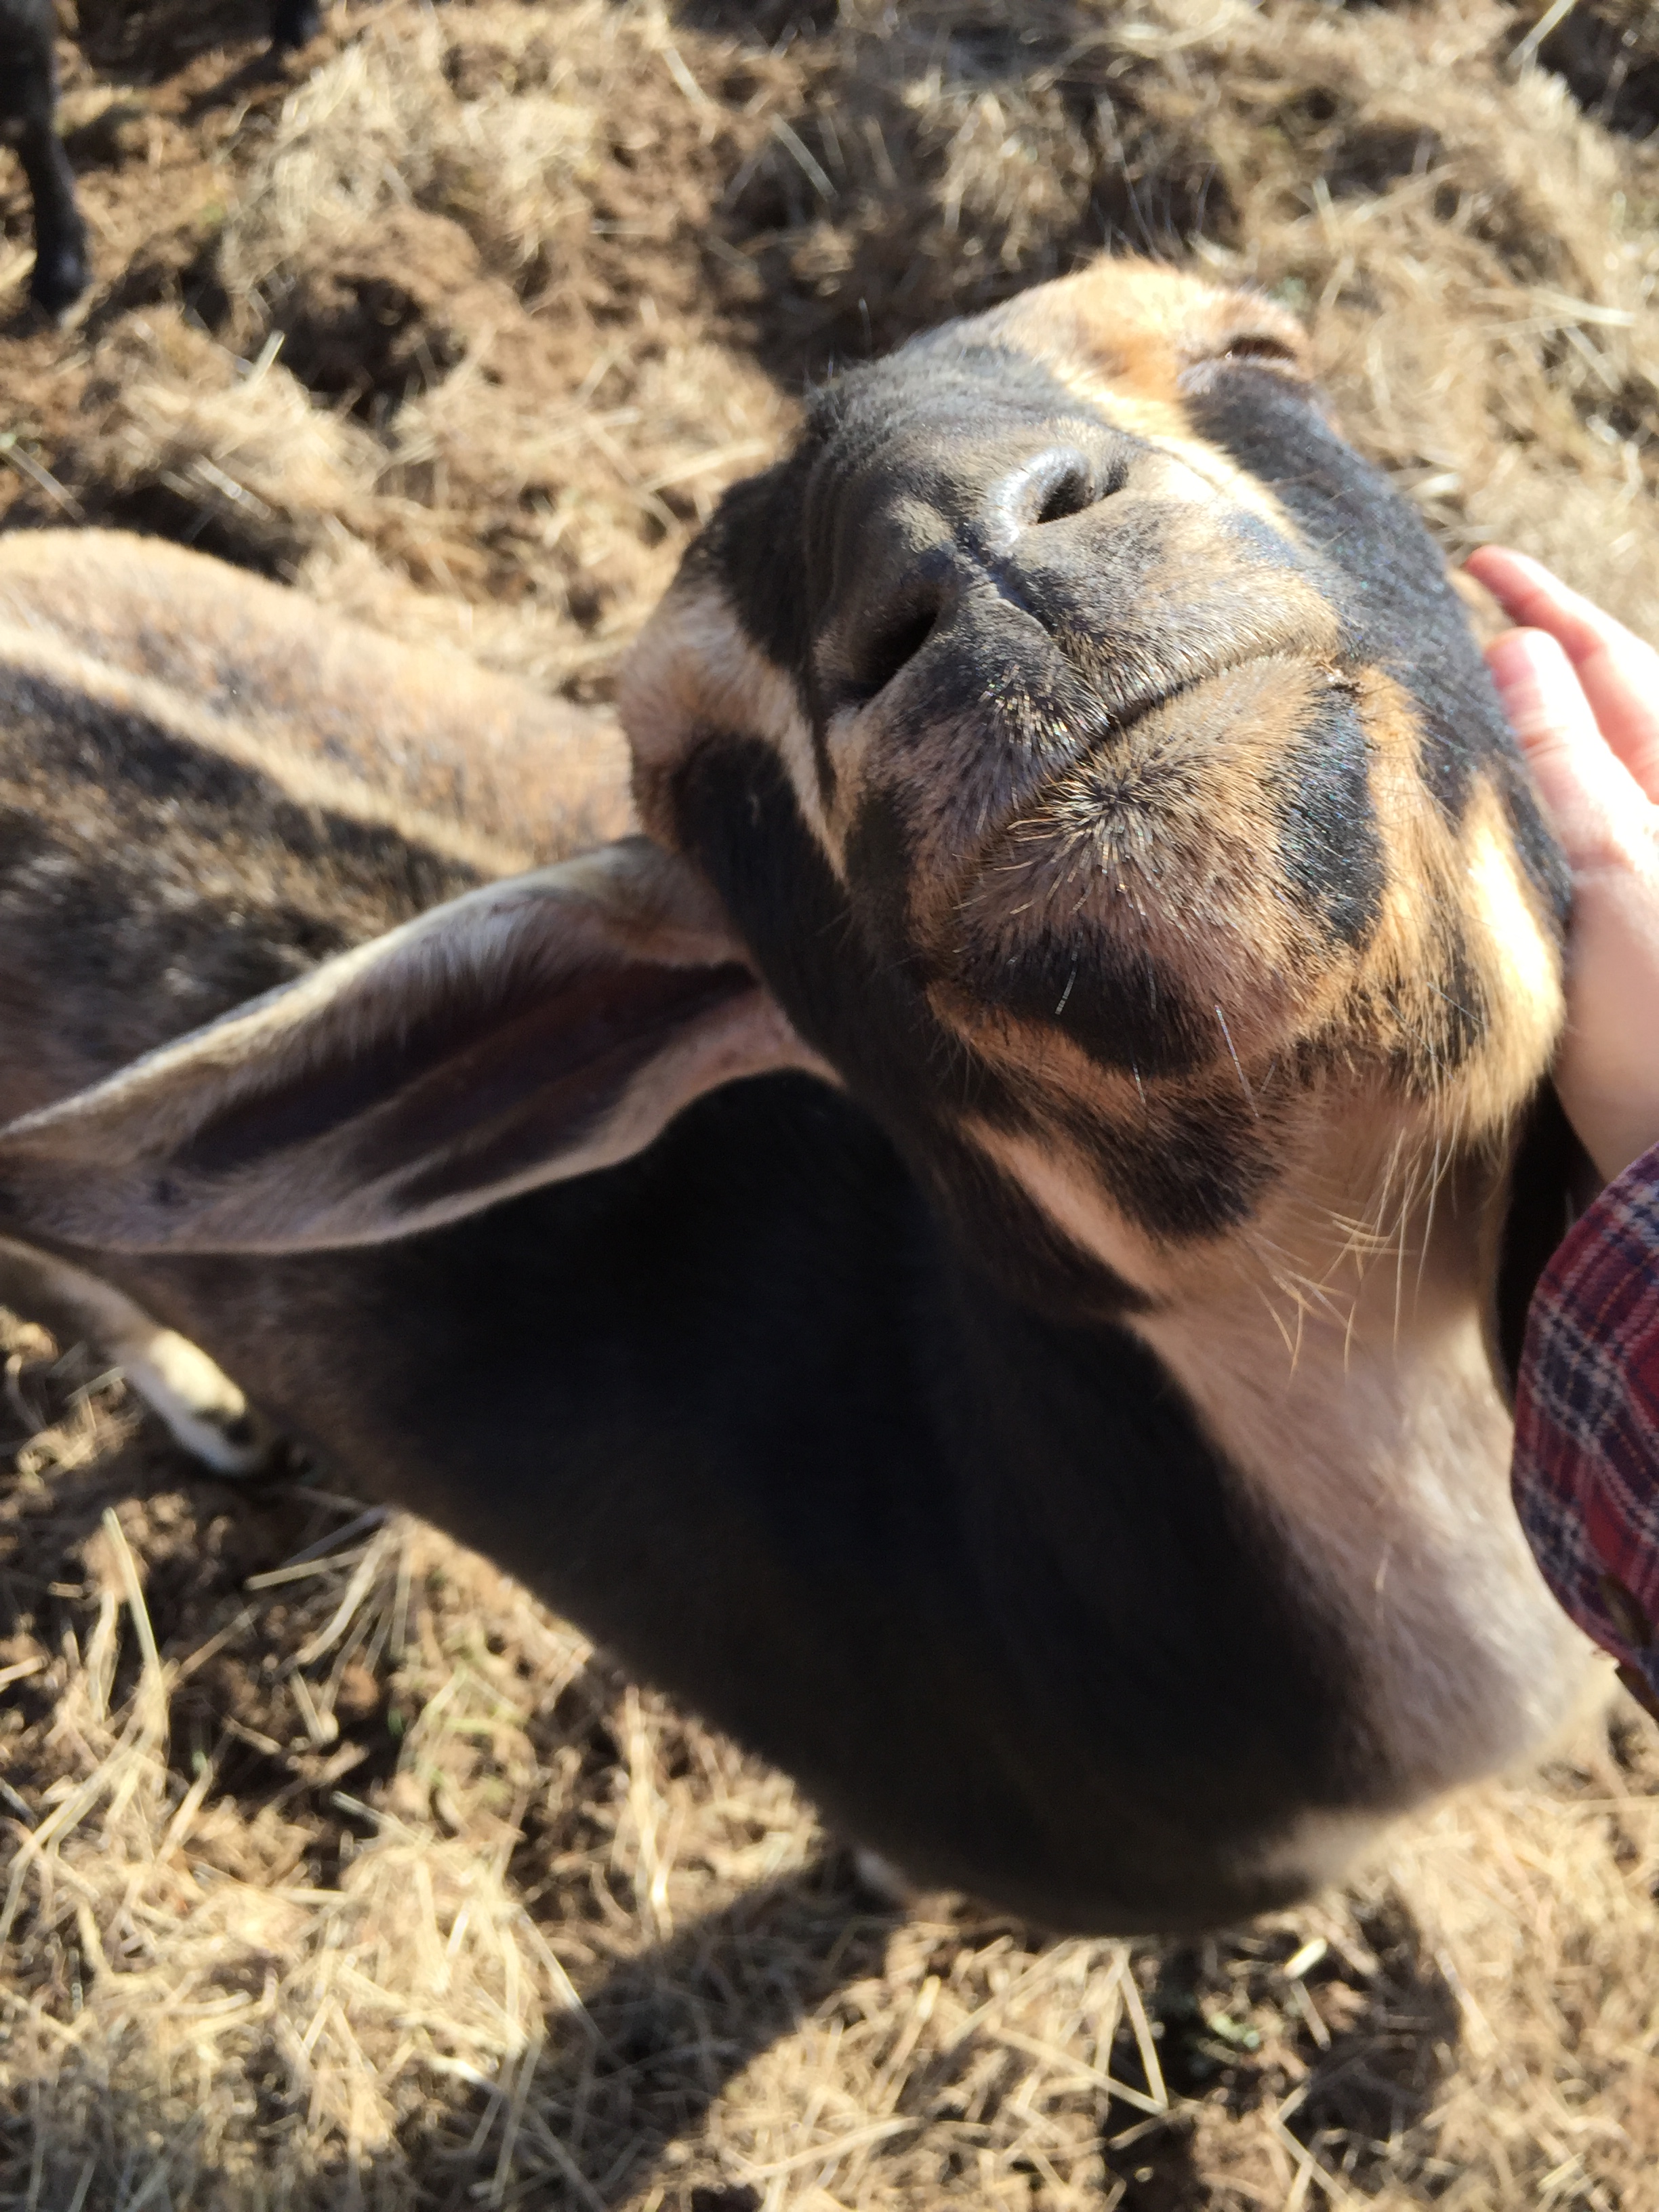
(336, 1872)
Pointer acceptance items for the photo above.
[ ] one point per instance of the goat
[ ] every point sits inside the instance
(968, 1251)
(28, 100)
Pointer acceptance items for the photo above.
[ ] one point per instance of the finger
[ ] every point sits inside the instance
(1594, 803)
(1540, 600)
(1620, 672)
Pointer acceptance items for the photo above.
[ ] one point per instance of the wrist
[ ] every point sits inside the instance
(1614, 1140)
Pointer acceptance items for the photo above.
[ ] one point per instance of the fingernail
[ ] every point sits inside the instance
(1532, 567)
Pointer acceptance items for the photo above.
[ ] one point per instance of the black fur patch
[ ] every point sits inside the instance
(1106, 992)
(869, 1015)
(1193, 1165)
(978, 1579)
(1329, 852)
(752, 548)
(1399, 612)
(1552, 1181)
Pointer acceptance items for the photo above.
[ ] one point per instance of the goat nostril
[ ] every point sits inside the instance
(1069, 494)
(1051, 487)
(890, 650)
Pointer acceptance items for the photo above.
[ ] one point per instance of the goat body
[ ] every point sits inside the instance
(967, 1252)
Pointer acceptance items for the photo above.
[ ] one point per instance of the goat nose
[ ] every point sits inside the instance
(1046, 487)
(920, 556)
(882, 651)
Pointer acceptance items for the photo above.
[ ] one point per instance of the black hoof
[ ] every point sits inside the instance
(58, 281)
(294, 23)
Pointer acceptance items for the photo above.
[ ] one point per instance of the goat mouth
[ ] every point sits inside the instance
(1121, 716)
(1082, 747)
(1154, 848)
(1105, 740)
(1122, 722)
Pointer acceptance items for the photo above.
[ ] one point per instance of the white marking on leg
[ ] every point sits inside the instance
(204, 1408)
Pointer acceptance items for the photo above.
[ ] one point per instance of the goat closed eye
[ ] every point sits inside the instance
(1259, 351)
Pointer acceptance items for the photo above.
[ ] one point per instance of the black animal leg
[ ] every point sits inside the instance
(61, 273)
(294, 23)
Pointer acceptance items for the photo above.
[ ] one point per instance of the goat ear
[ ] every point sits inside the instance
(538, 1028)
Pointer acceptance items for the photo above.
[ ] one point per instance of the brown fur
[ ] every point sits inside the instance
(206, 784)
(238, 784)
(1078, 327)
(419, 729)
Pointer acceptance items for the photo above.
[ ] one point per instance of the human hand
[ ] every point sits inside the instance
(1583, 694)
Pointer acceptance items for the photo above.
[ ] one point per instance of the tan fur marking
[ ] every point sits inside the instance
(1378, 1444)
(1470, 873)
(692, 674)
(1521, 961)
(1064, 1190)
(1141, 324)
(1336, 1350)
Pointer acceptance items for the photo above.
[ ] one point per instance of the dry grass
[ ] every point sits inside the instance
(336, 1872)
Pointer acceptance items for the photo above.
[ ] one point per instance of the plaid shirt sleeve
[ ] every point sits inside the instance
(1586, 1468)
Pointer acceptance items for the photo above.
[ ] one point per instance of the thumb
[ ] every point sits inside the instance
(1590, 798)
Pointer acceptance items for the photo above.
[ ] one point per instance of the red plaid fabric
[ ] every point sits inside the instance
(1586, 1468)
